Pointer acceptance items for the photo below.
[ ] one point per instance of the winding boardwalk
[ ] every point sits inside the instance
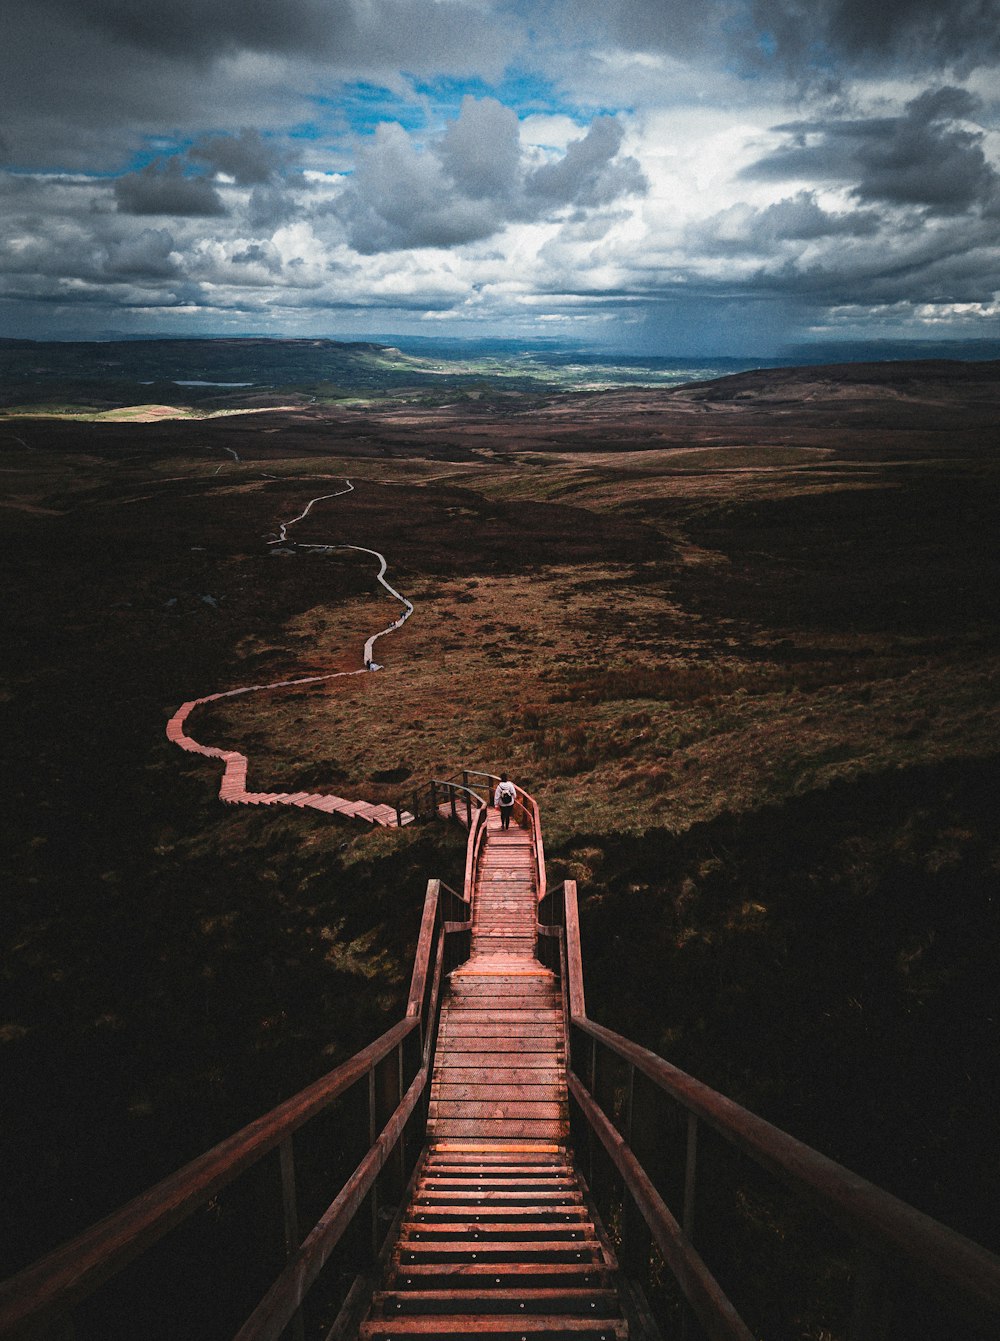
(233, 788)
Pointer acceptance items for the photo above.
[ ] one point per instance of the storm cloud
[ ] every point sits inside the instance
(474, 180)
(745, 170)
(163, 188)
(894, 34)
(924, 157)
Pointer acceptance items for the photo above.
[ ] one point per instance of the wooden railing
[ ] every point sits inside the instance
(469, 792)
(389, 1078)
(462, 801)
(625, 1100)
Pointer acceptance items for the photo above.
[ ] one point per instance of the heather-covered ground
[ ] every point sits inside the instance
(740, 640)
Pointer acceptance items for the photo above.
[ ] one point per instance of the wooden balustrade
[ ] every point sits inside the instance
(390, 1075)
(471, 790)
(893, 1238)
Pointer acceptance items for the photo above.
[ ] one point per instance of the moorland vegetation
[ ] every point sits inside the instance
(741, 640)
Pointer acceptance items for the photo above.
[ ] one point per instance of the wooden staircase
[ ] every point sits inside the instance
(464, 1101)
(500, 1067)
(498, 1240)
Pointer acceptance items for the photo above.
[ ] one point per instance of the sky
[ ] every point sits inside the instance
(680, 177)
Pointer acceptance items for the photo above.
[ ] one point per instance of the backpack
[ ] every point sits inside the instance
(507, 793)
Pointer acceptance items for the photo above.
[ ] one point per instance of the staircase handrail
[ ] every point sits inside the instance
(55, 1284)
(473, 853)
(528, 807)
(525, 811)
(942, 1260)
(473, 801)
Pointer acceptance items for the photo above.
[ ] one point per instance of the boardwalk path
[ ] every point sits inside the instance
(232, 788)
(500, 1068)
(497, 1238)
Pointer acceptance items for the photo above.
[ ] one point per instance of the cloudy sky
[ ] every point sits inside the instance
(671, 176)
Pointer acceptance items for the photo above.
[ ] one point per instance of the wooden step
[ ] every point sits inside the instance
(497, 1195)
(590, 1301)
(514, 1041)
(515, 1326)
(468, 1026)
(503, 1129)
(470, 1159)
(492, 1180)
(494, 1231)
(493, 1095)
(510, 1250)
(475, 1275)
(475, 1010)
(487, 1212)
(493, 1070)
(528, 1177)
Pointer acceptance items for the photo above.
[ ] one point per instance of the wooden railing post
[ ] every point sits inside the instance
(372, 1134)
(872, 1305)
(690, 1176)
(290, 1209)
(688, 1211)
(289, 1198)
(592, 1086)
(400, 1090)
(434, 800)
(636, 1235)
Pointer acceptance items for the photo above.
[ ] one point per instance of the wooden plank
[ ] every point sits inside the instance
(510, 1042)
(473, 1202)
(476, 968)
(476, 1015)
(471, 1057)
(529, 988)
(459, 1015)
(539, 1225)
(546, 1194)
(467, 1168)
(506, 1130)
(503, 1029)
(513, 1250)
(462, 1275)
(499, 1110)
(490, 1074)
(518, 1325)
(538, 1155)
(492, 986)
(480, 1091)
(590, 1301)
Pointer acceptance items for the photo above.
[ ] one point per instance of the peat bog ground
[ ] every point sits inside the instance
(741, 640)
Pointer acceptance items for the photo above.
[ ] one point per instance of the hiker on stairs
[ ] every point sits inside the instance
(504, 798)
